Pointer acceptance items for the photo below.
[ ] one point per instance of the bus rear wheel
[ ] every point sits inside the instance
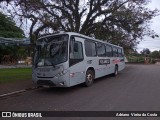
(89, 78)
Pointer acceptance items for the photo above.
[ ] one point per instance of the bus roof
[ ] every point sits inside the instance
(81, 35)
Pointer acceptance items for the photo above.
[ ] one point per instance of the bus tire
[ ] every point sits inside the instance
(89, 78)
(115, 70)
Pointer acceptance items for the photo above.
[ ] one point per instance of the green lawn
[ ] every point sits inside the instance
(15, 74)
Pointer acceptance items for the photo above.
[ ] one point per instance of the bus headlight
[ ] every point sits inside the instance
(61, 73)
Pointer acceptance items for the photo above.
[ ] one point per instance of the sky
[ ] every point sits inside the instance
(148, 42)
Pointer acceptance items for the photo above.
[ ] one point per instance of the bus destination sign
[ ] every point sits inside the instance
(104, 61)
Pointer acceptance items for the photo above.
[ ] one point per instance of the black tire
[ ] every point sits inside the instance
(115, 71)
(89, 78)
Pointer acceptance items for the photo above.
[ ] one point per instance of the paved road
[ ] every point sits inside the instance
(137, 88)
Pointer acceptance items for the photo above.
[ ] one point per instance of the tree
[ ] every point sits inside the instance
(8, 28)
(155, 54)
(145, 51)
(120, 22)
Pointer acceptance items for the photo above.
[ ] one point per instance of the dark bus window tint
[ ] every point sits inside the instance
(109, 51)
(120, 54)
(77, 51)
(115, 52)
(90, 48)
(101, 50)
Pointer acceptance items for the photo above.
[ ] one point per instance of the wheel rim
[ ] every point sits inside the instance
(89, 78)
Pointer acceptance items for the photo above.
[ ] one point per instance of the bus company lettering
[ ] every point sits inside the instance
(104, 61)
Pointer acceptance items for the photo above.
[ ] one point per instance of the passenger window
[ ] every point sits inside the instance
(120, 54)
(101, 50)
(115, 52)
(90, 48)
(109, 51)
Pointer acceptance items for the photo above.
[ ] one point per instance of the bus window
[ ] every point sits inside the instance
(76, 54)
(90, 49)
(101, 50)
(108, 51)
(115, 52)
(120, 54)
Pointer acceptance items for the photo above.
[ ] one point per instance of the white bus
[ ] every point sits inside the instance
(68, 59)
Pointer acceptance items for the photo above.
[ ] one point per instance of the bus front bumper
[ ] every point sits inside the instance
(62, 81)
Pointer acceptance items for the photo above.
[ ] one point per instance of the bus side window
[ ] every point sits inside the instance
(90, 48)
(120, 54)
(109, 51)
(101, 50)
(115, 52)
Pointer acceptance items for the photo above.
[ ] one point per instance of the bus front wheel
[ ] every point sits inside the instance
(89, 78)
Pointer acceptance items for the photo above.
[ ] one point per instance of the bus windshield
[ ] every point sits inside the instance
(51, 50)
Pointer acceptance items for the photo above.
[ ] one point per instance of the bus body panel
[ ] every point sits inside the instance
(77, 73)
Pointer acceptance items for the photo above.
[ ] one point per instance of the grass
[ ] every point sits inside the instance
(15, 74)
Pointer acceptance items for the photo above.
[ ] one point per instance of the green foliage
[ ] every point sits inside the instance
(135, 59)
(8, 28)
(145, 51)
(155, 54)
(151, 57)
(16, 52)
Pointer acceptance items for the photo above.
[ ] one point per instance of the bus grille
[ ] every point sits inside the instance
(45, 82)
